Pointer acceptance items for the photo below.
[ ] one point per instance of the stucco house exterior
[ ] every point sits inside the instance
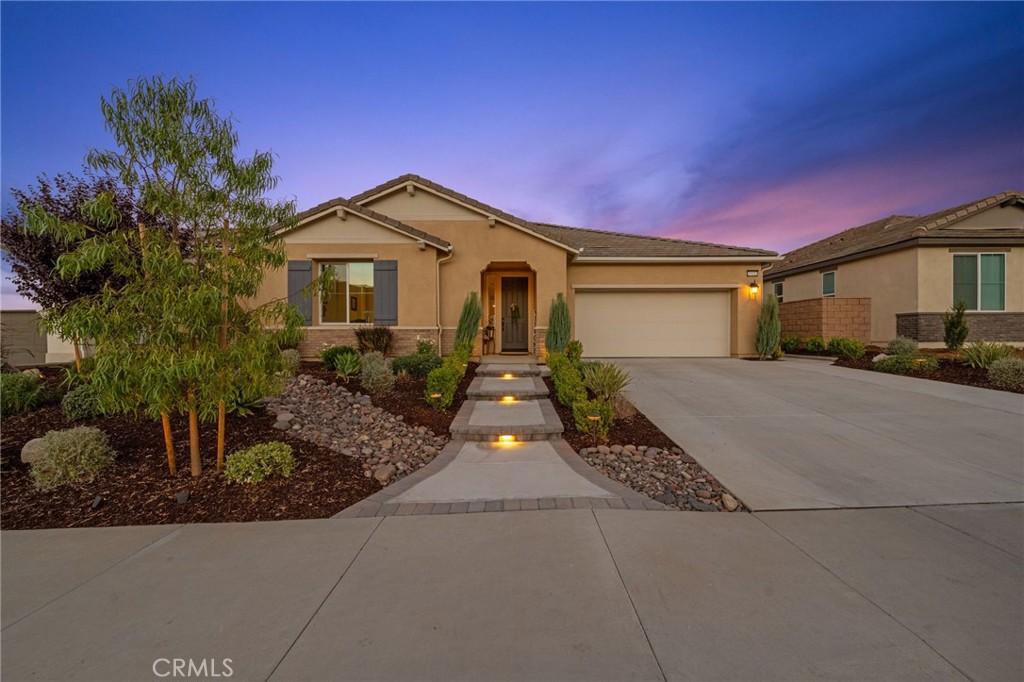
(898, 275)
(407, 252)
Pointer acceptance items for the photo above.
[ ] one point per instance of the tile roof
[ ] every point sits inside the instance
(897, 229)
(351, 205)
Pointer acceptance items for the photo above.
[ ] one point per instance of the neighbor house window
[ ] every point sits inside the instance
(828, 284)
(979, 280)
(778, 291)
(350, 299)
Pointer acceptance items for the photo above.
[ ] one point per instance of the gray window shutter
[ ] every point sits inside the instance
(385, 292)
(300, 276)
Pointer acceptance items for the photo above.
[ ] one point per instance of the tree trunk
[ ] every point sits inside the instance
(193, 436)
(221, 410)
(78, 355)
(221, 429)
(172, 463)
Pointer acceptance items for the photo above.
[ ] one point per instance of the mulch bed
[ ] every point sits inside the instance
(950, 370)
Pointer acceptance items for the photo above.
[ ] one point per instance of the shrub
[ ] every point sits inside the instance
(425, 347)
(559, 325)
(442, 383)
(954, 326)
(376, 375)
(769, 328)
(844, 347)
(71, 455)
(80, 403)
(332, 356)
(347, 366)
(417, 364)
(583, 410)
(901, 345)
(906, 364)
(73, 376)
(259, 462)
(815, 344)
(290, 357)
(981, 355)
(375, 338)
(1007, 372)
(469, 322)
(789, 344)
(574, 352)
(20, 392)
(569, 387)
(604, 379)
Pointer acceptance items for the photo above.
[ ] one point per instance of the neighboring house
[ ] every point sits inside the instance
(898, 275)
(406, 254)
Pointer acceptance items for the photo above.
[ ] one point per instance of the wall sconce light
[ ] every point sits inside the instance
(754, 289)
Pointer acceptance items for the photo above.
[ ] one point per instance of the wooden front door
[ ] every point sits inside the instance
(514, 313)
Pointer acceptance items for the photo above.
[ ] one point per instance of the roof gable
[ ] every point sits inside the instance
(343, 207)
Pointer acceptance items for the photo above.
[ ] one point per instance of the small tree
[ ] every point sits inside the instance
(769, 329)
(954, 323)
(469, 322)
(559, 325)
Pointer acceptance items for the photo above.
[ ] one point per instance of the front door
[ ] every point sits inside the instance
(514, 317)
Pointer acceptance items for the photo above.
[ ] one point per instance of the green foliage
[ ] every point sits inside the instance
(769, 328)
(290, 358)
(574, 352)
(954, 325)
(376, 375)
(982, 354)
(778, 353)
(80, 403)
(789, 344)
(375, 338)
(330, 356)
(851, 349)
(815, 344)
(417, 364)
(426, 347)
(906, 364)
(1008, 373)
(901, 345)
(347, 366)
(605, 380)
(569, 388)
(70, 456)
(20, 392)
(582, 412)
(442, 384)
(559, 325)
(74, 376)
(469, 322)
(259, 462)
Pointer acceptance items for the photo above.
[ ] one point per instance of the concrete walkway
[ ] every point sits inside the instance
(884, 594)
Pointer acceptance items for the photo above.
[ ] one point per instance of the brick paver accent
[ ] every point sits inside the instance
(827, 318)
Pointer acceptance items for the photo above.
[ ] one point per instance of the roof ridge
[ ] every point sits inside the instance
(370, 213)
(655, 238)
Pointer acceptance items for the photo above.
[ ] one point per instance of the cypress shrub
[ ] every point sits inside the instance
(769, 328)
(559, 325)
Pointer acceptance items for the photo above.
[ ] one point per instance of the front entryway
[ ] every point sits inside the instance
(514, 318)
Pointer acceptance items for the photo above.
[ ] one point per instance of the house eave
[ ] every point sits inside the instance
(626, 260)
(381, 223)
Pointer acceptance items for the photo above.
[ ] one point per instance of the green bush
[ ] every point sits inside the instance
(20, 392)
(982, 354)
(332, 356)
(844, 347)
(426, 347)
(375, 338)
(1007, 372)
(417, 364)
(569, 388)
(815, 344)
(559, 325)
(442, 383)
(583, 410)
(901, 345)
(789, 344)
(80, 403)
(73, 376)
(347, 366)
(769, 328)
(259, 462)
(906, 364)
(376, 375)
(469, 322)
(574, 352)
(954, 326)
(71, 455)
(290, 357)
(604, 379)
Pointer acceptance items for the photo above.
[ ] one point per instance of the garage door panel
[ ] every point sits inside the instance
(653, 324)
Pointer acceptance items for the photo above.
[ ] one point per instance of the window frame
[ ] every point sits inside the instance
(833, 294)
(777, 289)
(978, 282)
(348, 295)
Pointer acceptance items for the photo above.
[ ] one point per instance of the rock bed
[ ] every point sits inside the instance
(669, 476)
(329, 415)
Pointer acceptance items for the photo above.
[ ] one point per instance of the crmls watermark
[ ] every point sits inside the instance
(187, 667)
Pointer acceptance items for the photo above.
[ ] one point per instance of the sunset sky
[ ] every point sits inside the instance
(764, 125)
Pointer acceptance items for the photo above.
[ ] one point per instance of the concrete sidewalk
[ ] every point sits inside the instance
(900, 593)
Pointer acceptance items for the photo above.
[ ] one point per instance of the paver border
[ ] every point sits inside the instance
(477, 392)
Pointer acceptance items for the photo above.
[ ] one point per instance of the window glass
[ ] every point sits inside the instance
(965, 280)
(334, 308)
(351, 297)
(993, 281)
(828, 284)
(778, 291)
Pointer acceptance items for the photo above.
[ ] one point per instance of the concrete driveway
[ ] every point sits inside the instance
(802, 434)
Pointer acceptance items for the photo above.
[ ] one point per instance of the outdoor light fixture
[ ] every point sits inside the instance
(508, 375)
(754, 289)
(594, 417)
(435, 396)
(506, 438)
(508, 399)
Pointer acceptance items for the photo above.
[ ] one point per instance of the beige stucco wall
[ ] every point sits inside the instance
(727, 276)
(935, 278)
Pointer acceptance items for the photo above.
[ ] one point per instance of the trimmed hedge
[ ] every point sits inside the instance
(417, 364)
(851, 349)
(906, 364)
(260, 462)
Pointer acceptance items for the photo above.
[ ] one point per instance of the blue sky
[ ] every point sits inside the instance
(765, 125)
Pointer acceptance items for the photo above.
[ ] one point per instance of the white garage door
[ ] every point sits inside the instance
(621, 324)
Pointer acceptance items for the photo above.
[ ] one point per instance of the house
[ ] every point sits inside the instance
(898, 275)
(407, 252)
